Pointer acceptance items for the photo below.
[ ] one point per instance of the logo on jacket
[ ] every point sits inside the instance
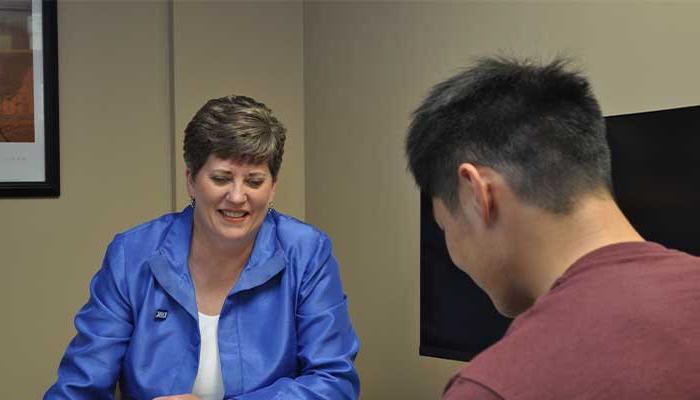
(161, 315)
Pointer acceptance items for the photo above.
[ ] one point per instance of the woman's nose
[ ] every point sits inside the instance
(236, 195)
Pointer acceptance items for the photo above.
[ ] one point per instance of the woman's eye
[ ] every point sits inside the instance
(255, 182)
(219, 179)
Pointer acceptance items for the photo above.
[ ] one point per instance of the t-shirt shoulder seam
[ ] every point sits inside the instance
(482, 385)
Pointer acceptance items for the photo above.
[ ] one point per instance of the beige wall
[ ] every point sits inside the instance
(367, 65)
(249, 48)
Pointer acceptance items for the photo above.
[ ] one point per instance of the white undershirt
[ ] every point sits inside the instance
(209, 384)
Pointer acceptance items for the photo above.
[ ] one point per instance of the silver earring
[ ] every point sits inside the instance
(192, 202)
(270, 207)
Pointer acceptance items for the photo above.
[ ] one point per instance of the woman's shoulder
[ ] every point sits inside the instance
(130, 253)
(150, 234)
(294, 233)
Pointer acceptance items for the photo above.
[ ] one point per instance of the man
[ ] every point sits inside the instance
(515, 158)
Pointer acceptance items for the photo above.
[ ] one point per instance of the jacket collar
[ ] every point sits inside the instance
(170, 268)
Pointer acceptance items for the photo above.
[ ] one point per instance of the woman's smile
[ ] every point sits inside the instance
(234, 216)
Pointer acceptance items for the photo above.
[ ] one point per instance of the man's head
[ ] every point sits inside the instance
(536, 130)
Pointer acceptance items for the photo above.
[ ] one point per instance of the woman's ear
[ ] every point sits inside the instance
(273, 191)
(190, 183)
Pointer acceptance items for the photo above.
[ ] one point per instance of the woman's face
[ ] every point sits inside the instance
(232, 199)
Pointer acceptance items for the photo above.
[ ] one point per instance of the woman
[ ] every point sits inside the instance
(227, 299)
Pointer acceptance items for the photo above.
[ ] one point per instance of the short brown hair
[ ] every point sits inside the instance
(234, 128)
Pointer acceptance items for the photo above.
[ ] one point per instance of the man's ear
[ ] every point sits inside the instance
(475, 184)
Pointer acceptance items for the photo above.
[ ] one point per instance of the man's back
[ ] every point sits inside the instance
(621, 323)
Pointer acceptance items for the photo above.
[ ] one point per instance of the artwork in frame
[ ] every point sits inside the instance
(29, 156)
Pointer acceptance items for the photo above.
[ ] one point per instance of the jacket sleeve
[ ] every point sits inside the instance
(91, 364)
(327, 344)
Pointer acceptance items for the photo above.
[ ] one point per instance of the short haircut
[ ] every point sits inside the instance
(538, 125)
(234, 128)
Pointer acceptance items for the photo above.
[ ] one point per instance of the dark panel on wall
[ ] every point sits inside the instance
(458, 320)
(656, 174)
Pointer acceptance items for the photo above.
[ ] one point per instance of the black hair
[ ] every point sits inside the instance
(538, 125)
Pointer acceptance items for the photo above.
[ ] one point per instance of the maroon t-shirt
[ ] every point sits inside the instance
(623, 322)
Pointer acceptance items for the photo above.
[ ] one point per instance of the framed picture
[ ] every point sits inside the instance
(29, 156)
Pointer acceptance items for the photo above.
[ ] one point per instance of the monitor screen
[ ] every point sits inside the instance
(656, 174)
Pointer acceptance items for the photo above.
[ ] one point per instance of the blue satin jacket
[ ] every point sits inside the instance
(284, 330)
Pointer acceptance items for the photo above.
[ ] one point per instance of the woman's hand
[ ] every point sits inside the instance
(178, 397)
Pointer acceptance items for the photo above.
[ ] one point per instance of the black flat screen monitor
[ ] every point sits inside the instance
(656, 178)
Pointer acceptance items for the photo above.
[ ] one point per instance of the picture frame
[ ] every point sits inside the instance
(29, 131)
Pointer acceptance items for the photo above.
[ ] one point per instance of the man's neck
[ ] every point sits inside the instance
(549, 244)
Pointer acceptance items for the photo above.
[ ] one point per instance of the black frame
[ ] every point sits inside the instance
(50, 187)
